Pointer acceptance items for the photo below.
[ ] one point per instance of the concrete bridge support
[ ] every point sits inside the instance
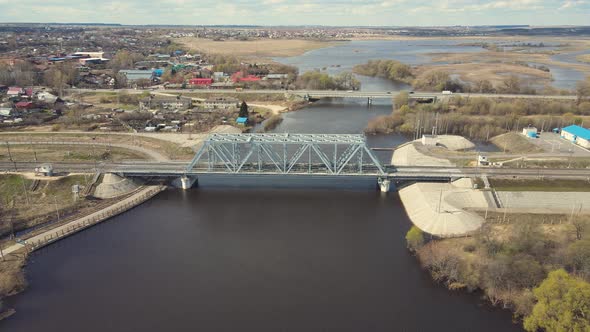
(185, 182)
(384, 184)
(370, 101)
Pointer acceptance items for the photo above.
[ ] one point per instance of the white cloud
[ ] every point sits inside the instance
(571, 3)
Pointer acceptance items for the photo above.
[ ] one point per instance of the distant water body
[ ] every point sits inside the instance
(343, 57)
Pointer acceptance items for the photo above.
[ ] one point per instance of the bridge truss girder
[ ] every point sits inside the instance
(329, 154)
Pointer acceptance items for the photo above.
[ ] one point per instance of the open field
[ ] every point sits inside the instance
(540, 185)
(256, 48)
(584, 58)
(514, 142)
(68, 153)
(490, 65)
(496, 73)
(25, 204)
(166, 147)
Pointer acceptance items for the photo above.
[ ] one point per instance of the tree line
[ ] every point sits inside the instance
(477, 118)
(389, 69)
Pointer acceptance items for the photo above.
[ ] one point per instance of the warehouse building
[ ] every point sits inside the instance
(577, 134)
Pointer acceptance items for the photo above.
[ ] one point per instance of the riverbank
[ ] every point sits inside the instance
(12, 279)
(510, 258)
(503, 243)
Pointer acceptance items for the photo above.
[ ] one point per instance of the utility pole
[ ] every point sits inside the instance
(435, 133)
(33, 148)
(10, 156)
(25, 190)
(56, 207)
(440, 198)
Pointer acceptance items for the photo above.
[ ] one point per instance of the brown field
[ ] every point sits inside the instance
(256, 48)
(170, 149)
(584, 58)
(79, 153)
(514, 142)
(496, 73)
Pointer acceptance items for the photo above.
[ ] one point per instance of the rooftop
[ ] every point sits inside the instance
(580, 132)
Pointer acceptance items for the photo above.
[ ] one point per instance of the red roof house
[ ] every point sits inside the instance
(24, 105)
(200, 81)
(239, 77)
(15, 91)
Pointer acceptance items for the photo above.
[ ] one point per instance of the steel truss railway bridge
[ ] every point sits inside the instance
(325, 155)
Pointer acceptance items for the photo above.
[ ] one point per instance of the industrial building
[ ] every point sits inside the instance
(577, 134)
(133, 75)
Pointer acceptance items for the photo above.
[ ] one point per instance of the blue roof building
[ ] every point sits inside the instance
(242, 120)
(577, 134)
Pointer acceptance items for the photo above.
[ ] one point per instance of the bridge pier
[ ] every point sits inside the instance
(384, 184)
(185, 182)
(369, 101)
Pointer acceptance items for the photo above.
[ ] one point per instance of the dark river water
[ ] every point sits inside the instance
(261, 257)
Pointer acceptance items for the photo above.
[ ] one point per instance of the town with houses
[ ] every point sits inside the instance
(50, 70)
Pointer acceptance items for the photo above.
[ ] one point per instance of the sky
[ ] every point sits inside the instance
(301, 12)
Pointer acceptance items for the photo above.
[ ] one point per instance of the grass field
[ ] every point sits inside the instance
(515, 143)
(23, 205)
(256, 48)
(68, 153)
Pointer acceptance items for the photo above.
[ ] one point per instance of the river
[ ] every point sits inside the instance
(254, 254)
(254, 258)
(416, 52)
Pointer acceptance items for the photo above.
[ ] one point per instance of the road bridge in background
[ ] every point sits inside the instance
(318, 94)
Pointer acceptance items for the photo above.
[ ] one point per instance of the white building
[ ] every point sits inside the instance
(530, 132)
(577, 134)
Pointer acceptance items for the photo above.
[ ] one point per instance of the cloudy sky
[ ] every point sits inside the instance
(301, 12)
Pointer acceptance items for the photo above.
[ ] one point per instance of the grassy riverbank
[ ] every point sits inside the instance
(12, 279)
(26, 203)
(511, 260)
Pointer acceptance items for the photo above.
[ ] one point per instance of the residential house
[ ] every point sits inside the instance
(6, 112)
(276, 76)
(15, 91)
(24, 105)
(46, 97)
(240, 77)
(200, 81)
